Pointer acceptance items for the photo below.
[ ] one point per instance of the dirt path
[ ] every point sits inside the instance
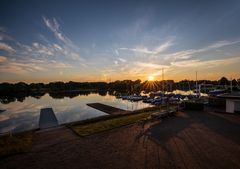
(190, 140)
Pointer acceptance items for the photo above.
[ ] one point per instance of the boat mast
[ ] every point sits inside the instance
(196, 85)
(163, 80)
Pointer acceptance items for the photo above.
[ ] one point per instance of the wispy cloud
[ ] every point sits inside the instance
(30, 65)
(6, 47)
(150, 65)
(186, 54)
(163, 47)
(38, 56)
(122, 60)
(138, 49)
(2, 59)
(159, 49)
(205, 63)
(68, 48)
(4, 36)
(119, 61)
(54, 26)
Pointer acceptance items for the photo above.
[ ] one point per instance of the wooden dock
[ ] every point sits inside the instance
(2, 111)
(47, 118)
(106, 108)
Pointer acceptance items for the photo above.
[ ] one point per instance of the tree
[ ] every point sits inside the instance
(234, 82)
(223, 81)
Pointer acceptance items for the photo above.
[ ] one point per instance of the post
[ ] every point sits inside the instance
(196, 85)
(231, 84)
(163, 80)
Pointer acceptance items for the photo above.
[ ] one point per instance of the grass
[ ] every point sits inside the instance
(15, 144)
(96, 125)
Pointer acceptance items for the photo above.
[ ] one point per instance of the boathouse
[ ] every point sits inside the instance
(232, 102)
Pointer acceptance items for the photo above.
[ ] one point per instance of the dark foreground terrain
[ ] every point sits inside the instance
(190, 140)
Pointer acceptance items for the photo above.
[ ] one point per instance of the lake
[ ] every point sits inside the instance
(24, 114)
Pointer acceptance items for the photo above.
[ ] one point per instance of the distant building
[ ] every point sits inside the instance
(232, 102)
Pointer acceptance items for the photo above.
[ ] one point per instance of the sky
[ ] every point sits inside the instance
(93, 40)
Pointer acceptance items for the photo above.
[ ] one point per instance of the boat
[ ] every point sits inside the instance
(217, 92)
(148, 100)
(135, 98)
(125, 97)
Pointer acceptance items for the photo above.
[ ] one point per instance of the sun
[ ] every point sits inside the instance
(150, 78)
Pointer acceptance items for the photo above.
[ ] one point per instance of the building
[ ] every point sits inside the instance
(232, 102)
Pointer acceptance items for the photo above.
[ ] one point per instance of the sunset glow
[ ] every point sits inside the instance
(150, 78)
(130, 41)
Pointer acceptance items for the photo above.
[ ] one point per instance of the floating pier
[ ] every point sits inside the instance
(2, 111)
(106, 108)
(47, 118)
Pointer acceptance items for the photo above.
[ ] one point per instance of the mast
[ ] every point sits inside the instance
(196, 85)
(163, 80)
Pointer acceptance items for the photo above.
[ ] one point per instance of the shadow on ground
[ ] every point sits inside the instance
(171, 127)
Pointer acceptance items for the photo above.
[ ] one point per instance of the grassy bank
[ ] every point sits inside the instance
(96, 125)
(14, 144)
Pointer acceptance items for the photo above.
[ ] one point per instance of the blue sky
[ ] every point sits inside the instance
(42, 41)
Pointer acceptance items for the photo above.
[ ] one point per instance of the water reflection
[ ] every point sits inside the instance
(22, 111)
(12, 97)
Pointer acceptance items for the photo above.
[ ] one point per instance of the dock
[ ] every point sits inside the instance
(2, 111)
(106, 108)
(47, 119)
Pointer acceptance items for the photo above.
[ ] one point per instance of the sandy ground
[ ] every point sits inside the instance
(190, 140)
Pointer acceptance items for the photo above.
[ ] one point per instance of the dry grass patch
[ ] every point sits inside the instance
(85, 129)
(14, 144)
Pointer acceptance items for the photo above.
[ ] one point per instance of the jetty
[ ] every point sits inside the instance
(47, 119)
(106, 108)
(2, 111)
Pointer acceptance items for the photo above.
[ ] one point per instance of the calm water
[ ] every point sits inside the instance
(20, 116)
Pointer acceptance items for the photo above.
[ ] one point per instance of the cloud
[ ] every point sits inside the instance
(161, 48)
(150, 65)
(116, 62)
(30, 65)
(139, 49)
(141, 69)
(39, 56)
(4, 36)
(116, 51)
(2, 59)
(220, 44)
(205, 63)
(54, 26)
(69, 49)
(122, 60)
(6, 47)
(49, 50)
(186, 54)
(42, 49)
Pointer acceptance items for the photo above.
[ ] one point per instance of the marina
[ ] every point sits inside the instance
(23, 115)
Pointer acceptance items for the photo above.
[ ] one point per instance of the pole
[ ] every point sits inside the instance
(196, 85)
(163, 80)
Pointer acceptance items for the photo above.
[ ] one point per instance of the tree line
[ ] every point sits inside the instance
(129, 86)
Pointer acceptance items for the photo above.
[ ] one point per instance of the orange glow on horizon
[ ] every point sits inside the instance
(150, 78)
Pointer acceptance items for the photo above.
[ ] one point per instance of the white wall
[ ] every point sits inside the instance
(229, 106)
